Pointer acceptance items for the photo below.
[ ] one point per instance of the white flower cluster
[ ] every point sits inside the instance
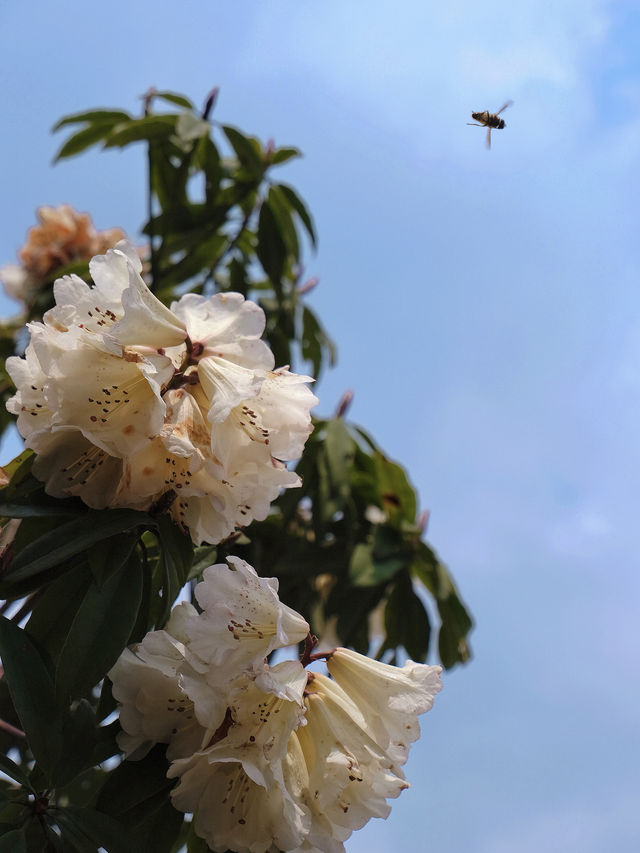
(268, 758)
(126, 401)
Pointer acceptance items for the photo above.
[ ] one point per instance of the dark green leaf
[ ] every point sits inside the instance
(15, 510)
(16, 773)
(72, 538)
(92, 117)
(105, 558)
(100, 630)
(456, 624)
(396, 493)
(158, 832)
(282, 216)
(74, 838)
(247, 150)
(100, 829)
(33, 694)
(135, 783)
(14, 842)
(55, 610)
(271, 250)
(300, 208)
(406, 621)
(175, 98)
(281, 155)
(79, 735)
(82, 140)
(148, 128)
(340, 451)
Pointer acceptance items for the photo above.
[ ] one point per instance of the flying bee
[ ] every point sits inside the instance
(490, 120)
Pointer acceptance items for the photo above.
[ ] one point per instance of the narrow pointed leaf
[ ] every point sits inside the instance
(32, 691)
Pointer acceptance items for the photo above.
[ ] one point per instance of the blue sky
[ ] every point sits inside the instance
(486, 309)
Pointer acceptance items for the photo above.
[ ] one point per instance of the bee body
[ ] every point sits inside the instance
(491, 121)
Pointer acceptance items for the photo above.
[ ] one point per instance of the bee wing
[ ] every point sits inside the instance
(504, 106)
(489, 138)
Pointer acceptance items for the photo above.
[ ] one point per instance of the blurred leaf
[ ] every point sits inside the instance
(282, 155)
(203, 557)
(379, 560)
(175, 98)
(92, 117)
(16, 773)
(19, 467)
(148, 128)
(82, 140)
(32, 691)
(300, 208)
(406, 620)
(277, 202)
(99, 631)
(247, 150)
(397, 495)
(14, 841)
(271, 250)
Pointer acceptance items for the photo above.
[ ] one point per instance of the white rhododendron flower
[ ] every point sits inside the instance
(242, 621)
(130, 403)
(268, 758)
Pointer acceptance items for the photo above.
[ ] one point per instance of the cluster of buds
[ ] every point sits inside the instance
(267, 757)
(130, 403)
(62, 237)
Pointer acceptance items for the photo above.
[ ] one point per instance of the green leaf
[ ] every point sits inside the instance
(300, 208)
(281, 155)
(72, 837)
(396, 493)
(379, 560)
(456, 624)
(55, 610)
(271, 250)
(281, 213)
(175, 98)
(340, 450)
(82, 140)
(72, 538)
(15, 510)
(158, 832)
(79, 736)
(99, 828)
(105, 558)
(14, 842)
(247, 150)
(149, 128)
(134, 785)
(100, 630)
(19, 467)
(33, 694)
(406, 620)
(203, 557)
(14, 771)
(92, 117)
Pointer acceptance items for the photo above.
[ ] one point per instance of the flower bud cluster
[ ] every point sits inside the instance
(127, 402)
(61, 237)
(267, 757)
